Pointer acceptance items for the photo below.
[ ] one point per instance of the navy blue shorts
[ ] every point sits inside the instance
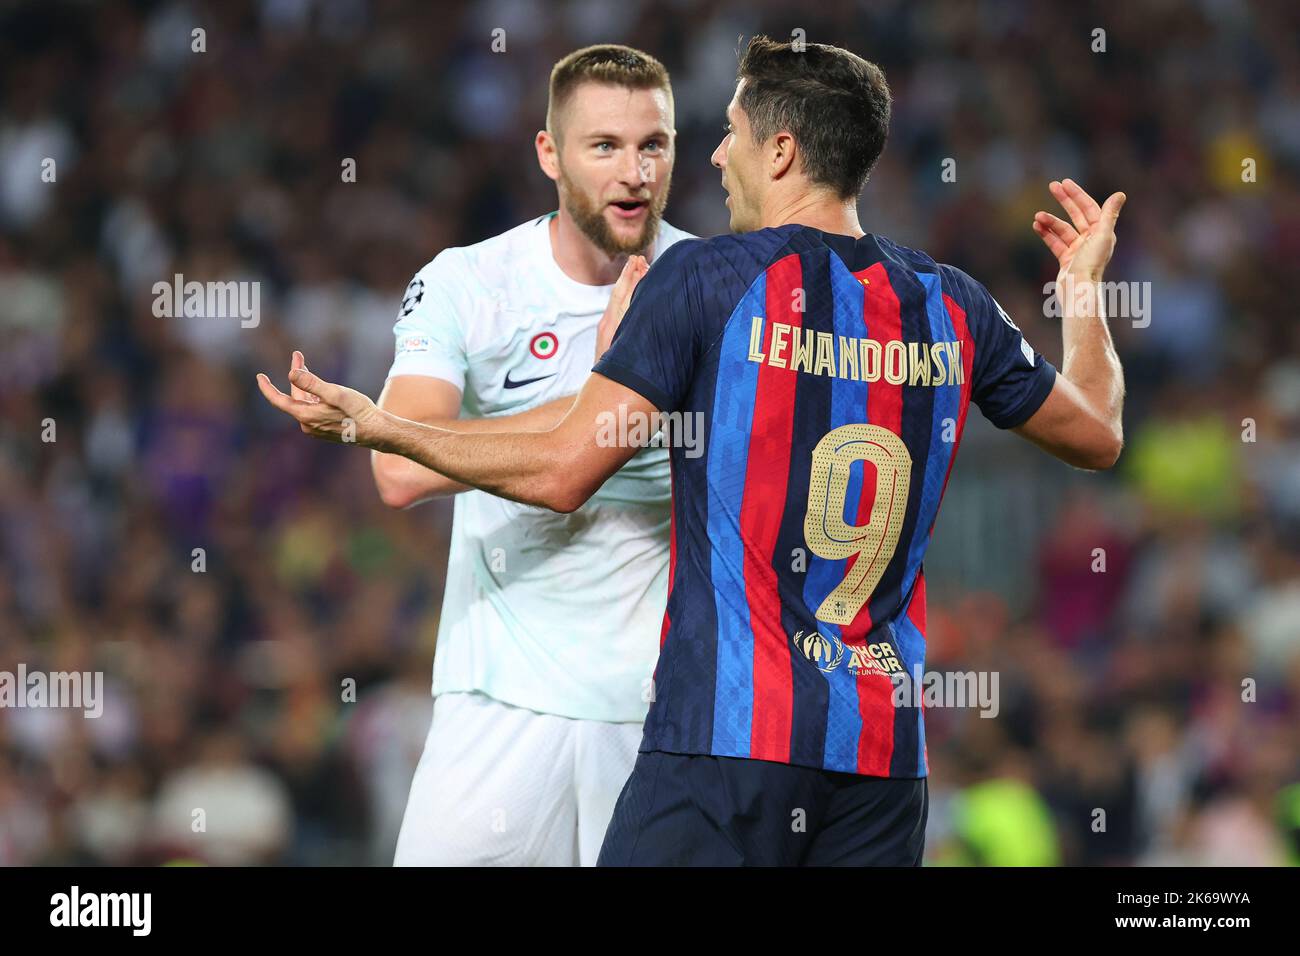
(691, 810)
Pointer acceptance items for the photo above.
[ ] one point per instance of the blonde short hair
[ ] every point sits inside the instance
(608, 63)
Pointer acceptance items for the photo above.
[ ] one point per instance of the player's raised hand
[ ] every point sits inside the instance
(332, 412)
(633, 270)
(1084, 248)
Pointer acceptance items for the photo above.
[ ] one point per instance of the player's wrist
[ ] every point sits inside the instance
(1084, 273)
(385, 433)
(1078, 291)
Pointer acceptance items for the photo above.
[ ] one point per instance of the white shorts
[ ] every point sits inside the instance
(503, 786)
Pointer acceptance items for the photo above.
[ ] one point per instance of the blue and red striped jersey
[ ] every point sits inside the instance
(830, 379)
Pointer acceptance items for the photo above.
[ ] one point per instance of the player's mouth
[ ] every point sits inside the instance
(630, 208)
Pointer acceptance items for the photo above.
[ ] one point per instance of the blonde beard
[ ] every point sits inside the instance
(590, 220)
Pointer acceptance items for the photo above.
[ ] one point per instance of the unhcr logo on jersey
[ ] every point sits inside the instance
(825, 652)
(879, 658)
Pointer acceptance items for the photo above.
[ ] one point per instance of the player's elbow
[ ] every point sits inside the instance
(393, 491)
(563, 488)
(1113, 451)
(564, 506)
(396, 498)
(564, 497)
(1103, 453)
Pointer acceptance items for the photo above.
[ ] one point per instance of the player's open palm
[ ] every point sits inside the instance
(324, 410)
(633, 271)
(1084, 245)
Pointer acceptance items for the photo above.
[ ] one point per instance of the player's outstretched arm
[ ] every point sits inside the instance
(403, 483)
(557, 469)
(1080, 421)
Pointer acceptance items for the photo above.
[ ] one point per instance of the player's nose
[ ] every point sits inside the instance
(632, 171)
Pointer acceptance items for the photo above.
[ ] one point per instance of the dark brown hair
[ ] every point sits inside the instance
(834, 103)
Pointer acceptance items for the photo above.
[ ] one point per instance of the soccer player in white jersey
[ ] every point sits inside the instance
(550, 623)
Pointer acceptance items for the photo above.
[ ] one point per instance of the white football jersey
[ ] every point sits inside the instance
(557, 613)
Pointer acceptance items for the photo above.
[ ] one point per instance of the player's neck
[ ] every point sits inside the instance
(815, 210)
(578, 258)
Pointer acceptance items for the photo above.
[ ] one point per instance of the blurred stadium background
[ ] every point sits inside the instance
(1121, 690)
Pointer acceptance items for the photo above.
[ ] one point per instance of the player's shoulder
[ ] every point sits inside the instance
(957, 283)
(668, 236)
(672, 245)
(474, 265)
(914, 260)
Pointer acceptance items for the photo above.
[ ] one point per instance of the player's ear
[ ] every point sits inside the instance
(781, 155)
(548, 154)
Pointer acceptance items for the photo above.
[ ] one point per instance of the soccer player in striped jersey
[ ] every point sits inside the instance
(833, 371)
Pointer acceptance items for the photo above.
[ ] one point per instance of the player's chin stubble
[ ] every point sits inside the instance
(589, 216)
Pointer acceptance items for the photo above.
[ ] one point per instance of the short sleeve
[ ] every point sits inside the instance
(657, 346)
(1010, 379)
(430, 327)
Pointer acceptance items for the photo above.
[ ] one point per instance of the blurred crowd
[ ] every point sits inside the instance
(266, 626)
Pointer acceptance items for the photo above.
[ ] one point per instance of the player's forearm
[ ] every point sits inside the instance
(521, 466)
(404, 483)
(1089, 359)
